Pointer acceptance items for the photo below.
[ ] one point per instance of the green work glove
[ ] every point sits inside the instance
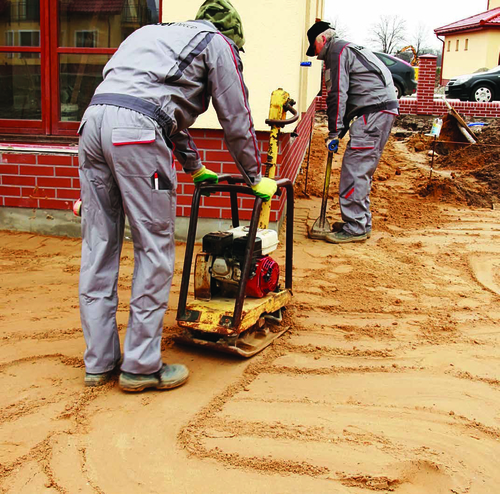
(265, 189)
(204, 174)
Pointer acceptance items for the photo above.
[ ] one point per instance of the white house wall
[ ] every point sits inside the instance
(275, 33)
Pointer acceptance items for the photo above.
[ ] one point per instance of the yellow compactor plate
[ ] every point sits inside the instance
(214, 316)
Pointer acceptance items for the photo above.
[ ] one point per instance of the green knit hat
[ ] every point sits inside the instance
(225, 18)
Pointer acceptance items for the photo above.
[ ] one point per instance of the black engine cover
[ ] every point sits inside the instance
(217, 243)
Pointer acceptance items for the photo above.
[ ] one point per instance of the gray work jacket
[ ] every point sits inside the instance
(179, 67)
(355, 80)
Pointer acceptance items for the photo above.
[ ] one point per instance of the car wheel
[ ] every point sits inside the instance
(482, 94)
(399, 91)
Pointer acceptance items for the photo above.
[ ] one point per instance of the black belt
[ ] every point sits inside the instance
(366, 110)
(139, 105)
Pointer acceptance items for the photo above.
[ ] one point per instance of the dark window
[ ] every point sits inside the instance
(86, 39)
(52, 53)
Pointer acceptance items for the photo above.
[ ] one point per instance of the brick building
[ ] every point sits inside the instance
(471, 44)
(52, 60)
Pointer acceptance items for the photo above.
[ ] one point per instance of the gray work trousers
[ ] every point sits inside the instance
(119, 153)
(368, 136)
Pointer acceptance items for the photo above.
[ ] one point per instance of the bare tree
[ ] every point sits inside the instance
(341, 30)
(388, 32)
(421, 38)
(419, 45)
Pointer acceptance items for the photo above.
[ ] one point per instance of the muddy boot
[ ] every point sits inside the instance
(343, 237)
(92, 380)
(338, 226)
(168, 377)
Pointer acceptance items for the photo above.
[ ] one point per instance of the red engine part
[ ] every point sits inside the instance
(265, 280)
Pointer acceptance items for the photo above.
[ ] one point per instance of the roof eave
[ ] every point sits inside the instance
(468, 29)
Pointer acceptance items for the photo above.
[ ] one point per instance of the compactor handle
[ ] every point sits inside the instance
(288, 106)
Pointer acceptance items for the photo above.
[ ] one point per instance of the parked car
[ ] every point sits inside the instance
(403, 74)
(482, 87)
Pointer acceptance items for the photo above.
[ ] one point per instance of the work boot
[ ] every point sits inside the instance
(338, 226)
(168, 377)
(343, 237)
(101, 378)
(94, 380)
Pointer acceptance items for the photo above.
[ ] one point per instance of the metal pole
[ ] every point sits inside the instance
(326, 186)
(309, 153)
(289, 234)
(247, 263)
(432, 159)
(188, 257)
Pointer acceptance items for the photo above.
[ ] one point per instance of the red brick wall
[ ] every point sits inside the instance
(38, 181)
(34, 180)
(426, 104)
(321, 105)
(292, 153)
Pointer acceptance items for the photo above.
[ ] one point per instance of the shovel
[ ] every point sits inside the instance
(322, 226)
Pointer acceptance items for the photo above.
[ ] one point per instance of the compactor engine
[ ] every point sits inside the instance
(218, 266)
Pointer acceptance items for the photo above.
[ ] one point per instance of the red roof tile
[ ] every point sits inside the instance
(100, 6)
(490, 18)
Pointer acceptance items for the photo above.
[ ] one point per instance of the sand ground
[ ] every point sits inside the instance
(388, 379)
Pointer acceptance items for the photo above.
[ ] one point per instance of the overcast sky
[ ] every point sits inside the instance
(355, 17)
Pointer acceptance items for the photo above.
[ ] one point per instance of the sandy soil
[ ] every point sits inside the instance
(388, 380)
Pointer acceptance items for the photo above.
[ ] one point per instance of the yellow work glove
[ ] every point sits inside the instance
(265, 189)
(204, 174)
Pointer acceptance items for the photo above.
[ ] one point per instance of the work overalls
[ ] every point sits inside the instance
(156, 84)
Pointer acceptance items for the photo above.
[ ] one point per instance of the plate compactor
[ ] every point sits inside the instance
(238, 292)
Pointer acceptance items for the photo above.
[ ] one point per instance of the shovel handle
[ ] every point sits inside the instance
(326, 187)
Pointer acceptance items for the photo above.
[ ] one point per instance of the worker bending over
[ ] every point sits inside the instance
(359, 87)
(155, 85)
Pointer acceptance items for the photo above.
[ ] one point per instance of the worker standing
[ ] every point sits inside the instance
(360, 87)
(155, 85)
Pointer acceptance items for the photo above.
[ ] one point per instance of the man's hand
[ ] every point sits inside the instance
(332, 143)
(204, 174)
(265, 189)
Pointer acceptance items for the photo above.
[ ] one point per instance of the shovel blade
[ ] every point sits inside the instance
(319, 229)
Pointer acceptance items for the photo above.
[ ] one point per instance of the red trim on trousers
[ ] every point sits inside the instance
(349, 194)
(132, 142)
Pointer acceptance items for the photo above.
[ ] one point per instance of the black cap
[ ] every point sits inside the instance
(316, 29)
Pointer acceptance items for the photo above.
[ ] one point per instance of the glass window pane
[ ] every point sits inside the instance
(79, 76)
(18, 17)
(103, 24)
(21, 86)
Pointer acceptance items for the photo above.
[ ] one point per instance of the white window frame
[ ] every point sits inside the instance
(10, 33)
(19, 35)
(20, 31)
